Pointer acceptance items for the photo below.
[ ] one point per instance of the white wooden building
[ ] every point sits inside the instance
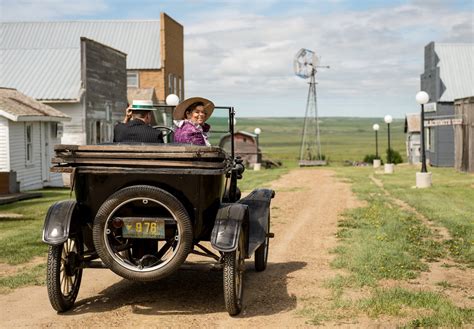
(412, 129)
(28, 132)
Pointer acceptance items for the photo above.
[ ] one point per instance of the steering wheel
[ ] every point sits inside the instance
(165, 131)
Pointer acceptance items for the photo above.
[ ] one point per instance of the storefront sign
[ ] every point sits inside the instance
(442, 122)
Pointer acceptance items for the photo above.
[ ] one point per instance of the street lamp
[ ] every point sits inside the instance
(423, 178)
(257, 165)
(376, 162)
(389, 165)
(172, 100)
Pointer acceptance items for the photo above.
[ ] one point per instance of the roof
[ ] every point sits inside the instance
(139, 39)
(16, 106)
(412, 123)
(43, 59)
(44, 74)
(141, 94)
(456, 64)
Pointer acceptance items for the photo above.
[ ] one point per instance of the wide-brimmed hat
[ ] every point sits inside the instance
(142, 105)
(180, 109)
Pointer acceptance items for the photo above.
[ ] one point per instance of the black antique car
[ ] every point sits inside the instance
(141, 209)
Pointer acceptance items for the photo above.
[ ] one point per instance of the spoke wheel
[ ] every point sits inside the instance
(234, 267)
(64, 273)
(261, 254)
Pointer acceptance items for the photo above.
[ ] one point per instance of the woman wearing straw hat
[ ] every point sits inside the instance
(136, 126)
(190, 120)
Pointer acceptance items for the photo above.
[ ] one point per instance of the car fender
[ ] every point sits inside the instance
(58, 221)
(227, 228)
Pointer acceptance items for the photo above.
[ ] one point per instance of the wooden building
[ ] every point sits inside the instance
(448, 75)
(28, 132)
(464, 135)
(245, 146)
(412, 131)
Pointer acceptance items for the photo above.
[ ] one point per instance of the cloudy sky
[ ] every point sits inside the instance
(241, 52)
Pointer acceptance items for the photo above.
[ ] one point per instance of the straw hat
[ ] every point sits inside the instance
(180, 109)
(142, 105)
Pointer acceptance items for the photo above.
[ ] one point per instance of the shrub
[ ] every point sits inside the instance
(394, 156)
(369, 158)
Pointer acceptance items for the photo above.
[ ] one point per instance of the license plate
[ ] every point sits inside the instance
(143, 228)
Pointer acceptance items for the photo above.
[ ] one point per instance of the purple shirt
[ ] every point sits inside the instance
(190, 133)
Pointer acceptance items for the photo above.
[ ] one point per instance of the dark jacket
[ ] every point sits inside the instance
(136, 131)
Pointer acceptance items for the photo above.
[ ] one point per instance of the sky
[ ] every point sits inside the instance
(240, 52)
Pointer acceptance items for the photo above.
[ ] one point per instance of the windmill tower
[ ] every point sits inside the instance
(305, 64)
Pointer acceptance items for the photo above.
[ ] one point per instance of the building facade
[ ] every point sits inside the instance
(28, 132)
(448, 75)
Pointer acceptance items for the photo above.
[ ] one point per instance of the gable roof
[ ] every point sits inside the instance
(16, 106)
(456, 69)
(412, 123)
(140, 40)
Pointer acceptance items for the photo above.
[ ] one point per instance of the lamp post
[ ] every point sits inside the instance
(389, 165)
(376, 162)
(257, 164)
(423, 178)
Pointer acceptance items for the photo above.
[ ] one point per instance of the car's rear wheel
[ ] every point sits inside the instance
(146, 210)
(64, 273)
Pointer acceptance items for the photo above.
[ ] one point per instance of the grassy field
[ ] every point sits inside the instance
(341, 138)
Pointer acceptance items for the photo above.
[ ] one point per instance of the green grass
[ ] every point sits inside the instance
(341, 138)
(396, 301)
(382, 241)
(20, 239)
(25, 277)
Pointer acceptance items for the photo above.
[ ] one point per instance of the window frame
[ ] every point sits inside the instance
(137, 77)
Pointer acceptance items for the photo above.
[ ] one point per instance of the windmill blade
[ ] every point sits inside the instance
(305, 63)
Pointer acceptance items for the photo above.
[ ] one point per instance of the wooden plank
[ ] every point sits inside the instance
(139, 148)
(97, 170)
(138, 162)
(118, 155)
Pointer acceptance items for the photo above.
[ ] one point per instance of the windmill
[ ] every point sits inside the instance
(305, 64)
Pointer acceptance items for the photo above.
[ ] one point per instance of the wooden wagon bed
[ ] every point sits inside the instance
(142, 157)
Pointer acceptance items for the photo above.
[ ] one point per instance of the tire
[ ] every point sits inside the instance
(261, 254)
(64, 274)
(122, 262)
(234, 266)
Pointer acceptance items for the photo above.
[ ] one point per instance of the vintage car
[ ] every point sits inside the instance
(141, 209)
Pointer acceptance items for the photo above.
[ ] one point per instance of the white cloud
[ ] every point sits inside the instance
(37, 10)
(371, 52)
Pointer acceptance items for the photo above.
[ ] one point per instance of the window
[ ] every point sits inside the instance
(132, 79)
(170, 84)
(181, 89)
(29, 143)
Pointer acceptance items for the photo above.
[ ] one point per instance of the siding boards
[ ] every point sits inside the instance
(74, 130)
(4, 151)
(104, 74)
(29, 175)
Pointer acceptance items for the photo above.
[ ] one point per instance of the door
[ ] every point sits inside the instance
(45, 151)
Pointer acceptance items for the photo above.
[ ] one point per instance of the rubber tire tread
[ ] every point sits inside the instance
(232, 304)
(151, 192)
(260, 258)
(53, 281)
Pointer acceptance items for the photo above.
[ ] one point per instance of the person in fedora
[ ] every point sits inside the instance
(190, 119)
(136, 127)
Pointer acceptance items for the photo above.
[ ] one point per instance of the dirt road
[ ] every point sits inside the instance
(304, 220)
